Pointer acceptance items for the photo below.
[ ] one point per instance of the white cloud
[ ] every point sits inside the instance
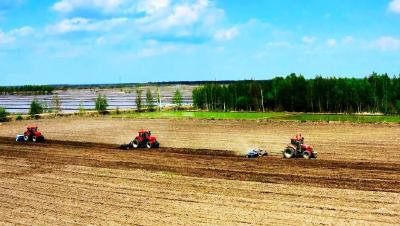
(5, 38)
(226, 34)
(11, 36)
(388, 43)
(308, 39)
(153, 6)
(394, 6)
(157, 18)
(84, 24)
(163, 16)
(106, 6)
(331, 42)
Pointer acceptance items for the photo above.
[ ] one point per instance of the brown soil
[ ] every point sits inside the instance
(69, 181)
(62, 182)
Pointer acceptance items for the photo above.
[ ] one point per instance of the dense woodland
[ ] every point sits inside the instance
(28, 89)
(375, 93)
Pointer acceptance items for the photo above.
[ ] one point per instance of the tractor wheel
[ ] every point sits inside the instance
(288, 153)
(26, 138)
(148, 145)
(135, 144)
(306, 155)
(34, 139)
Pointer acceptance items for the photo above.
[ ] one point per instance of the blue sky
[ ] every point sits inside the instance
(111, 41)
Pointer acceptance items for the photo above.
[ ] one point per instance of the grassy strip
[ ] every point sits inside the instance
(261, 115)
(202, 115)
(344, 118)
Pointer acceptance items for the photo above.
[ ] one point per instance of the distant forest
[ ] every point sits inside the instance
(375, 93)
(28, 89)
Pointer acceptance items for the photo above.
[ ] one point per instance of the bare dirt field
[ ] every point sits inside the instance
(79, 177)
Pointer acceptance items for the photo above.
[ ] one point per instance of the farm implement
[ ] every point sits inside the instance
(256, 153)
(144, 139)
(32, 133)
(297, 149)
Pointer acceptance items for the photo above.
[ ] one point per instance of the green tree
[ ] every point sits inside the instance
(3, 114)
(36, 108)
(56, 104)
(101, 104)
(81, 109)
(177, 99)
(159, 98)
(398, 106)
(149, 100)
(138, 100)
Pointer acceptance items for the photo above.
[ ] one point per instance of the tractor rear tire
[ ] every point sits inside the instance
(148, 145)
(306, 155)
(135, 143)
(35, 139)
(26, 138)
(288, 153)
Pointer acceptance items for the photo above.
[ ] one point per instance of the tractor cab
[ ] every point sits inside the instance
(144, 134)
(32, 129)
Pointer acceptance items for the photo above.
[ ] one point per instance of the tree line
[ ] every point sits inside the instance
(27, 89)
(152, 101)
(375, 93)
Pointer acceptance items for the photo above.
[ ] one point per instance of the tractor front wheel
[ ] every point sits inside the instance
(306, 155)
(288, 153)
(135, 143)
(34, 139)
(26, 138)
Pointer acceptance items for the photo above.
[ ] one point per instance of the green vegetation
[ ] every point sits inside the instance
(159, 98)
(138, 100)
(376, 93)
(28, 89)
(261, 115)
(19, 118)
(101, 104)
(56, 104)
(177, 99)
(203, 115)
(3, 114)
(343, 118)
(81, 109)
(149, 100)
(36, 108)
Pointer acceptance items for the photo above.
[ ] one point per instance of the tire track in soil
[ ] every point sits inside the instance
(96, 187)
(222, 165)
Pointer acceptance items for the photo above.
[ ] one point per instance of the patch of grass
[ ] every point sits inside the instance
(260, 115)
(343, 118)
(202, 115)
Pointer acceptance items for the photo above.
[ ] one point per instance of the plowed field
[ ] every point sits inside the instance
(79, 177)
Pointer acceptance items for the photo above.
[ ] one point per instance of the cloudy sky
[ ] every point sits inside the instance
(111, 41)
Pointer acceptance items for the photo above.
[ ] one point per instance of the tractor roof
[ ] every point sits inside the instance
(31, 126)
(144, 131)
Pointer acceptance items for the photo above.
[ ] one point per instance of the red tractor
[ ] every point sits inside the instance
(297, 148)
(32, 134)
(144, 139)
